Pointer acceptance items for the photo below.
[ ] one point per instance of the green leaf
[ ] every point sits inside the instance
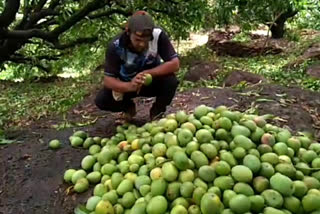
(5, 141)
(81, 209)
(263, 100)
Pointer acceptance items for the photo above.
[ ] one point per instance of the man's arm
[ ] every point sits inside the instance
(168, 54)
(166, 68)
(117, 85)
(124, 87)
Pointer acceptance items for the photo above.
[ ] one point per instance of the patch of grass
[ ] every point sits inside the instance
(242, 37)
(192, 57)
(272, 67)
(21, 103)
(215, 83)
(198, 54)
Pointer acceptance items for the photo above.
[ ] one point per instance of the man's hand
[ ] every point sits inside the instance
(124, 87)
(137, 82)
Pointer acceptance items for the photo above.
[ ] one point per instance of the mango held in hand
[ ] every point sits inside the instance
(148, 79)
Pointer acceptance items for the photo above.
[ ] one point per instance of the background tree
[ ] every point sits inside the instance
(250, 13)
(308, 18)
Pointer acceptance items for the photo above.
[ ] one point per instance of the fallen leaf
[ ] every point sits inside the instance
(261, 100)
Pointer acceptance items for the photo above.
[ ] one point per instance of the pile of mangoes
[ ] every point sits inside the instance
(211, 161)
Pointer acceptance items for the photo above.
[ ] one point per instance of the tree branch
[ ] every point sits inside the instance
(53, 35)
(40, 15)
(26, 34)
(44, 13)
(173, 2)
(33, 3)
(48, 22)
(94, 5)
(79, 41)
(9, 13)
(290, 14)
(109, 13)
(40, 5)
(54, 3)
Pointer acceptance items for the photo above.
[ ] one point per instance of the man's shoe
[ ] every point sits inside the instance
(156, 113)
(127, 116)
(130, 112)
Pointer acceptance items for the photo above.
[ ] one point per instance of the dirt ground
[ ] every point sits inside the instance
(32, 174)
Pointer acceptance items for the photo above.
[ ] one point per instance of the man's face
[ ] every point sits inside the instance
(140, 42)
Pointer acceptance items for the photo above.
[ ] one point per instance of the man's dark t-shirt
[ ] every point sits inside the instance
(124, 64)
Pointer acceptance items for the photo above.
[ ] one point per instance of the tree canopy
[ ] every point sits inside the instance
(37, 33)
(47, 37)
(250, 13)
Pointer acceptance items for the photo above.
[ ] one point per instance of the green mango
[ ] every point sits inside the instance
(186, 189)
(108, 169)
(94, 177)
(271, 210)
(111, 196)
(181, 160)
(240, 130)
(199, 159)
(179, 209)
(140, 208)
(197, 195)
(209, 150)
(272, 198)
(180, 201)
(142, 180)
(228, 157)
(224, 182)
(125, 186)
(243, 141)
(116, 179)
(144, 190)
(169, 172)
(157, 205)
(194, 209)
(158, 187)
(88, 162)
(127, 200)
(282, 184)
(173, 191)
(211, 204)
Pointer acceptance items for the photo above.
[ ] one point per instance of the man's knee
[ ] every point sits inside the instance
(100, 102)
(173, 82)
(103, 100)
(170, 82)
